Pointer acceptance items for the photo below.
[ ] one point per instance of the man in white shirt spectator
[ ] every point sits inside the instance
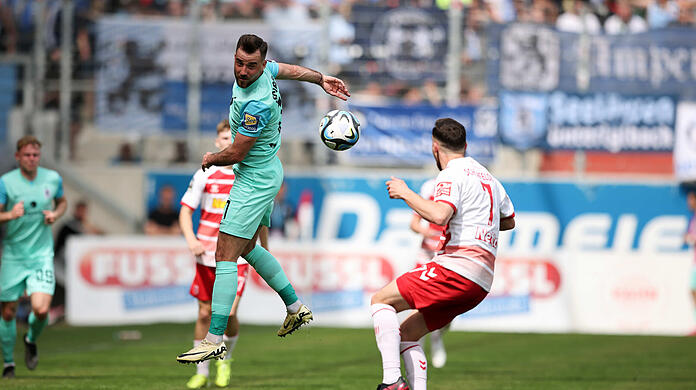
(579, 19)
(623, 21)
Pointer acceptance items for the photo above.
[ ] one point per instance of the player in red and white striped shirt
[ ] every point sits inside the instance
(209, 190)
(474, 207)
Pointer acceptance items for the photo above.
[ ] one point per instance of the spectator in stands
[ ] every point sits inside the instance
(126, 154)
(76, 225)
(8, 31)
(371, 94)
(624, 21)
(180, 153)
(578, 19)
(164, 219)
(660, 13)
(686, 15)
(282, 12)
(413, 97)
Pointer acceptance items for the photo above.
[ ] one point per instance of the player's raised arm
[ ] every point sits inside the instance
(331, 85)
(435, 212)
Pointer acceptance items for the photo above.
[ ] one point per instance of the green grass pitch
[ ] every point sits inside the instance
(327, 358)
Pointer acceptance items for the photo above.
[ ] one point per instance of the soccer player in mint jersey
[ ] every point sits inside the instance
(474, 207)
(209, 191)
(690, 238)
(255, 115)
(31, 200)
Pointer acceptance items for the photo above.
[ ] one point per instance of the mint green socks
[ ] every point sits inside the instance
(8, 337)
(224, 292)
(36, 326)
(270, 270)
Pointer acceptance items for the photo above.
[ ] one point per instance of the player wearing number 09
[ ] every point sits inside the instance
(474, 207)
(255, 113)
(31, 200)
(209, 190)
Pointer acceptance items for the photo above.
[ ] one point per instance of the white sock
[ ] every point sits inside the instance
(202, 367)
(387, 333)
(213, 338)
(415, 363)
(231, 342)
(294, 307)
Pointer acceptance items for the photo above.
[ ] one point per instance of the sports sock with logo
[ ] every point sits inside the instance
(8, 337)
(203, 367)
(386, 326)
(415, 363)
(270, 270)
(224, 292)
(36, 326)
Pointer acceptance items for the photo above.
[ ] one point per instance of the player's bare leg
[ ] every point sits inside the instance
(385, 304)
(8, 337)
(38, 319)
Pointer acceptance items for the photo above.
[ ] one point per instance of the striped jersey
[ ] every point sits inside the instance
(471, 237)
(209, 190)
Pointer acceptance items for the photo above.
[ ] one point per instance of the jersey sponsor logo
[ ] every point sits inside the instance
(484, 235)
(219, 204)
(250, 122)
(47, 192)
(443, 189)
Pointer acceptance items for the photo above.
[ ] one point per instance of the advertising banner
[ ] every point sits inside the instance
(530, 57)
(128, 280)
(631, 293)
(610, 122)
(403, 134)
(685, 144)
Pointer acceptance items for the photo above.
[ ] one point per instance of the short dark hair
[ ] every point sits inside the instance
(249, 43)
(450, 133)
(28, 140)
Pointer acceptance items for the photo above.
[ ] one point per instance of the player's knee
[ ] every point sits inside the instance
(41, 312)
(205, 313)
(377, 298)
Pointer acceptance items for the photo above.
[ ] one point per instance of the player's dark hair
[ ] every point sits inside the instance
(450, 133)
(249, 43)
(27, 140)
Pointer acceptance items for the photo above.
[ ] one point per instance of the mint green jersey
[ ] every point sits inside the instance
(28, 237)
(255, 112)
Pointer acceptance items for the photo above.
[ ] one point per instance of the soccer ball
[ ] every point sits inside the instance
(339, 130)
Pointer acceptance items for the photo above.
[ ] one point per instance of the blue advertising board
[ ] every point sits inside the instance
(550, 214)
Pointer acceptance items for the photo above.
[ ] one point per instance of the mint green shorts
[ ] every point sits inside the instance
(17, 276)
(251, 199)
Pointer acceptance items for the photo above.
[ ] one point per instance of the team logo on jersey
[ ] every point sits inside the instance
(47, 192)
(443, 189)
(250, 122)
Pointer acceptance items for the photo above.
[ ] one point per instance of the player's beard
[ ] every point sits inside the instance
(244, 83)
(436, 154)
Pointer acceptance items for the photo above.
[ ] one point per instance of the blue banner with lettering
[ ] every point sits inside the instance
(550, 215)
(599, 121)
(526, 57)
(403, 134)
